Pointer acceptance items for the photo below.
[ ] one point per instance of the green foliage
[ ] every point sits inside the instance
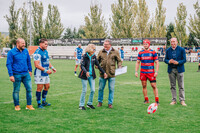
(195, 22)
(170, 32)
(142, 19)
(95, 26)
(191, 40)
(53, 26)
(24, 24)
(180, 21)
(160, 30)
(128, 115)
(38, 26)
(13, 22)
(69, 34)
(123, 19)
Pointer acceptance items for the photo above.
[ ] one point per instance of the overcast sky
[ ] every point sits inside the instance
(73, 11)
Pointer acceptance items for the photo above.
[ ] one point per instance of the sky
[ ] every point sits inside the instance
(73, 11)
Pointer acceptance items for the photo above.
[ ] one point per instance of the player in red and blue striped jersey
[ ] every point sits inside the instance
(147, 57)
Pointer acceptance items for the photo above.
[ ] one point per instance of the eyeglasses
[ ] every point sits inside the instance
(94, 49)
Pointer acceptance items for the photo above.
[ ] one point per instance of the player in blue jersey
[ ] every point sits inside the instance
(42, 72)
(121, 51)
(198, 57)
(78, 55)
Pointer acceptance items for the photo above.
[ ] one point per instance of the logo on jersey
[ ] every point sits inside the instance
(36, 57)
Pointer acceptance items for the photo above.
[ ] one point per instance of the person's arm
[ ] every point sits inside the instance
(29, 64)
(50, 66)
(118, 58)
(137, 64)
(99, 67)
(183, 56)
(157, 68)
(9, 64)
(167, 60)
(75, 54)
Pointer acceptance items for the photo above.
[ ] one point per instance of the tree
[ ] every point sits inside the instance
(68, 34)
(4, 41)
(38, 27)
(194, 27)
(53, 26)
(170, 32)
(180, 21)
(13, 22)
(24, 22)
(122, 20)
(142, 19)
(191, 40)
(95, 26)
(160, 20)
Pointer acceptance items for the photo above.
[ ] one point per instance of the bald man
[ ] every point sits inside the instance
(175, 58)
(20, 71)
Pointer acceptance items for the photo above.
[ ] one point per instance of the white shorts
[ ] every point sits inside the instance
(78, 62)
(42, 79)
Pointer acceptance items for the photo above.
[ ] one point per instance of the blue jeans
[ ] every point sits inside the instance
(111, 86)
(26, 80)
(84, 90)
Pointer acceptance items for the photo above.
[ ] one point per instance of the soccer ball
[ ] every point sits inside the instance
(152, 108)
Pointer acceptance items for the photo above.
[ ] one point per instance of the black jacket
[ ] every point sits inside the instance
(85, 64)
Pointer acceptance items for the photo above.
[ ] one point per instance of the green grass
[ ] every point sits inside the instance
(128, 115)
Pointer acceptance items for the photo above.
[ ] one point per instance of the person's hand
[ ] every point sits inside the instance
(171, 61)
(136, 74)
(76, 59)
(175, 62)
(87, 74)
(54, 70)
(12, 79)
(49, 72)
(105, 76)
(120, 66)
(96, 67)
(155, 74)
(30, 74)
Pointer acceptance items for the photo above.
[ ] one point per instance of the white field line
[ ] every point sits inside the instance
(66, 93)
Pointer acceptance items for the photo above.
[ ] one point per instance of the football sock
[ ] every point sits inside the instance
(38, 97)
(44, 95)
(156, 99)
(146, 99)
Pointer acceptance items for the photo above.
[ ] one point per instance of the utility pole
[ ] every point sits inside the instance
(30, 21)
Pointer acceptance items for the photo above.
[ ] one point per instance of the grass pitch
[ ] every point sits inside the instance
(128, 115)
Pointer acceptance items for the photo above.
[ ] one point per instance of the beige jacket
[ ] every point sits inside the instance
(108, 62)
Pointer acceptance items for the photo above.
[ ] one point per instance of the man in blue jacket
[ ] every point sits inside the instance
(20, 70)
(175, 58)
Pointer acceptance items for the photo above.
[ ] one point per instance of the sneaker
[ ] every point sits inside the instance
(146, 101)
(173, 102)
(110, 106)
(82, 108)
(17, 108)
(29, 107)
(90, 106)
(99, 104)
(46, 104)
(183, 103)
(75, 75)
(41, 107)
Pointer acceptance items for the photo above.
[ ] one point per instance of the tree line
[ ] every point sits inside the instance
(129, 19)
